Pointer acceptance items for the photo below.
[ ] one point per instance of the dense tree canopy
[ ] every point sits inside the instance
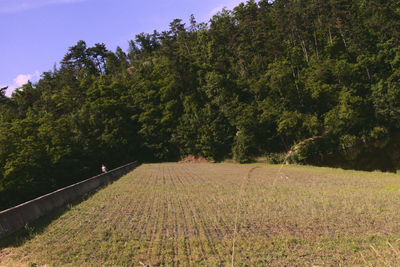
(252, 81)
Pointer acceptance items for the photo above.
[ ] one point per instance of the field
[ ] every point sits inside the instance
(226, 214)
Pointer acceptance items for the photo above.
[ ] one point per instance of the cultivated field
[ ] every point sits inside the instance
(222, 214)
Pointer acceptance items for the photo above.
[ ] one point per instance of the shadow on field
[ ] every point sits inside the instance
(20, 237)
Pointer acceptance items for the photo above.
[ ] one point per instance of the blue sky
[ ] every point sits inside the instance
(36, 34)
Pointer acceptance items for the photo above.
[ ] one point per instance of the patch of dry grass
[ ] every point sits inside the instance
(196, 214)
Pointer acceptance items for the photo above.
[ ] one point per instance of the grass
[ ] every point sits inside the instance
(197, 214)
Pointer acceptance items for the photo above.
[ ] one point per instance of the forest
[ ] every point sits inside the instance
(252, 81)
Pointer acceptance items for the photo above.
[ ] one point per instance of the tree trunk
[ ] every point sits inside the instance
(344, 40)
(303, 46)
(316, 45)
(297, 87)
(369, 76)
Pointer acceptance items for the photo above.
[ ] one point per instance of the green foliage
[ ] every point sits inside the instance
(242, 146)
(252, 81)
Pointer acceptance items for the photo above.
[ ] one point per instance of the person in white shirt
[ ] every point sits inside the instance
(103, 168)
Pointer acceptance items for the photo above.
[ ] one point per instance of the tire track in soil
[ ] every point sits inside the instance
(263, 182)
(164, 222)
(180, 180)
(182, 229)
(193, 176)
(137, 210)
(91, 223)
(142, 207)
(195, 227)
(153, 210)
(144, 213)
(199, 207)
(123, 197)
(187, 208)
(173, 201)
(110, 222)
(174, 226)
(96, 222)
(208, 235)
(226, 231)
(222, 221)
(186, 245)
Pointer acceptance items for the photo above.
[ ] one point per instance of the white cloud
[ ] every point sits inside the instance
(14, 6)
(10, 90)
(20, 80)
(229, 5)
(215, 11)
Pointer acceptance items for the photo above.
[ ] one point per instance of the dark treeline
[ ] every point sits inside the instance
(253, 81)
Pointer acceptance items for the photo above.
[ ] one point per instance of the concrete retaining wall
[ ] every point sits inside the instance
(13, 219)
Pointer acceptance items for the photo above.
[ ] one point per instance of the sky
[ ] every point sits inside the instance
(36, 34)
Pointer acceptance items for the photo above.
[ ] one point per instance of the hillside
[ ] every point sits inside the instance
(215, 214)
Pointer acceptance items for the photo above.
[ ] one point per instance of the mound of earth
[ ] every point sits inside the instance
(193, 159)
